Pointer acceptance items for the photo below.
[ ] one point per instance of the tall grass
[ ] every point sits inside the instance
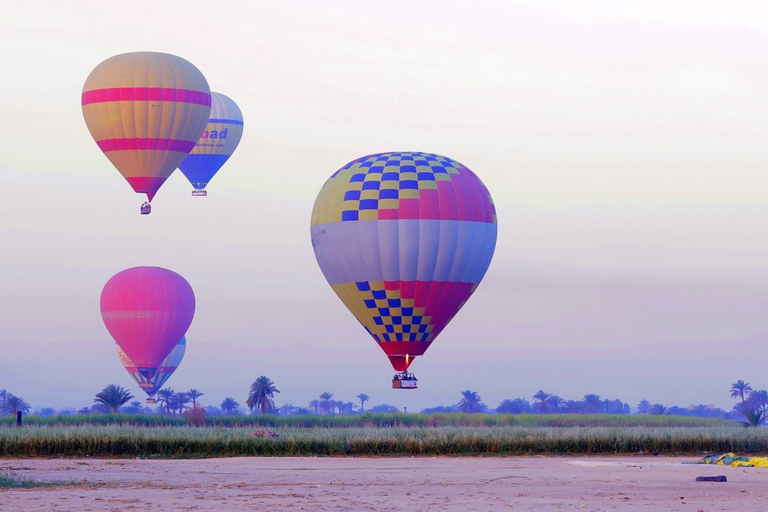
(9, 480)
(383, 420)
(121, 441)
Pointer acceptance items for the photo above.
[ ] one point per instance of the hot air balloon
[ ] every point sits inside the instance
(147, 310)
(152, 385)
(404, 239)
(217, 143)
(146, 111)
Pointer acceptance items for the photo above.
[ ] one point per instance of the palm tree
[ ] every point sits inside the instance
(314, 404)
(363, 398)
(325, 401)
(754, 418)
(658, 409)
(229, 405)
(470, 402)
(113, 396)
(592, 404)
(260, 395)
(757, 400)
(194, 395)
(522, 404)
(740, 389)
(165, 397)
(13, 404)
(3, 397)
(644, 407)
(541, 398)
(182, 399)
(349, 407)
(508, 406)
(555, 403)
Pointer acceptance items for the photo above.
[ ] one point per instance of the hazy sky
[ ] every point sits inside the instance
(623, 144)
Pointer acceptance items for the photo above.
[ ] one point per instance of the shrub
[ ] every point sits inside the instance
(196, 417)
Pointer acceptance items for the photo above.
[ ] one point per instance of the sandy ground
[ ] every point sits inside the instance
(401, 484)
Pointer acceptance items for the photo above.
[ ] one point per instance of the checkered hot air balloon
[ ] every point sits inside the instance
(404, 239)
(147, 310)
(146, 111)
(151, 385)
(219, 140)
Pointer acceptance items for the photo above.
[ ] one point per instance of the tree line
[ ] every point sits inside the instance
(751, 408)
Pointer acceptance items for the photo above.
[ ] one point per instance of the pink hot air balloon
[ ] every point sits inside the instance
(147, 310)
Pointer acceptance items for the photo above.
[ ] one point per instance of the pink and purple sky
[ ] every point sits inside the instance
(623, 144)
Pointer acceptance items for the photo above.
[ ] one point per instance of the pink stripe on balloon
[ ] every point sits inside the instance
(446, 197)
(146, 94)
(428, 205)
(409, 209)
(183, 146)
(387, 214)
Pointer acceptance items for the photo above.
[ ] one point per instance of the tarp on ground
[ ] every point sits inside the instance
(731, 459)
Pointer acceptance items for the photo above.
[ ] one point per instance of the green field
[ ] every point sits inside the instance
(183, 441)
(382, 420)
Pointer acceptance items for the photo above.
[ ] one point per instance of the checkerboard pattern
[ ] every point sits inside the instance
(394, 318)
(408, 185)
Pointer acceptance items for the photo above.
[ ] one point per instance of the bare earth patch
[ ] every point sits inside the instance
(388, 484)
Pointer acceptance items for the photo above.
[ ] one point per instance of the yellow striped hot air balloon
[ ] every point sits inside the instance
(146, 111)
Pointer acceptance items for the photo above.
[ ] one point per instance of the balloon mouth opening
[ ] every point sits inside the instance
(401, 363)
(147, 373)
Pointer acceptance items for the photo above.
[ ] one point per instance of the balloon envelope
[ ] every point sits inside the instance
(147, 310)
(221, 136)
(404, 239)
(153, 384)
(146, 111)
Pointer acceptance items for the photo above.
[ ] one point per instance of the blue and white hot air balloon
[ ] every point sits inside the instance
(219, 140)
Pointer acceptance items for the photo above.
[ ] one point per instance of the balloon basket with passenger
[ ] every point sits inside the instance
(199, 193)
(405, 380)
(146, 208)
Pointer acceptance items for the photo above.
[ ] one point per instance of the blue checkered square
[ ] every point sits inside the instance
(357, 177)
(352, 195)
(409, 184)
(349, 215)
(371, 185)
(389, 193)
(369, 204)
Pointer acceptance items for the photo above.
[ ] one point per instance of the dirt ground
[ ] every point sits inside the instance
(390, 484)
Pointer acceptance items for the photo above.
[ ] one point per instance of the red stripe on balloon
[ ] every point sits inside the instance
(146, 94)
(145, 185)
(183, 146)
